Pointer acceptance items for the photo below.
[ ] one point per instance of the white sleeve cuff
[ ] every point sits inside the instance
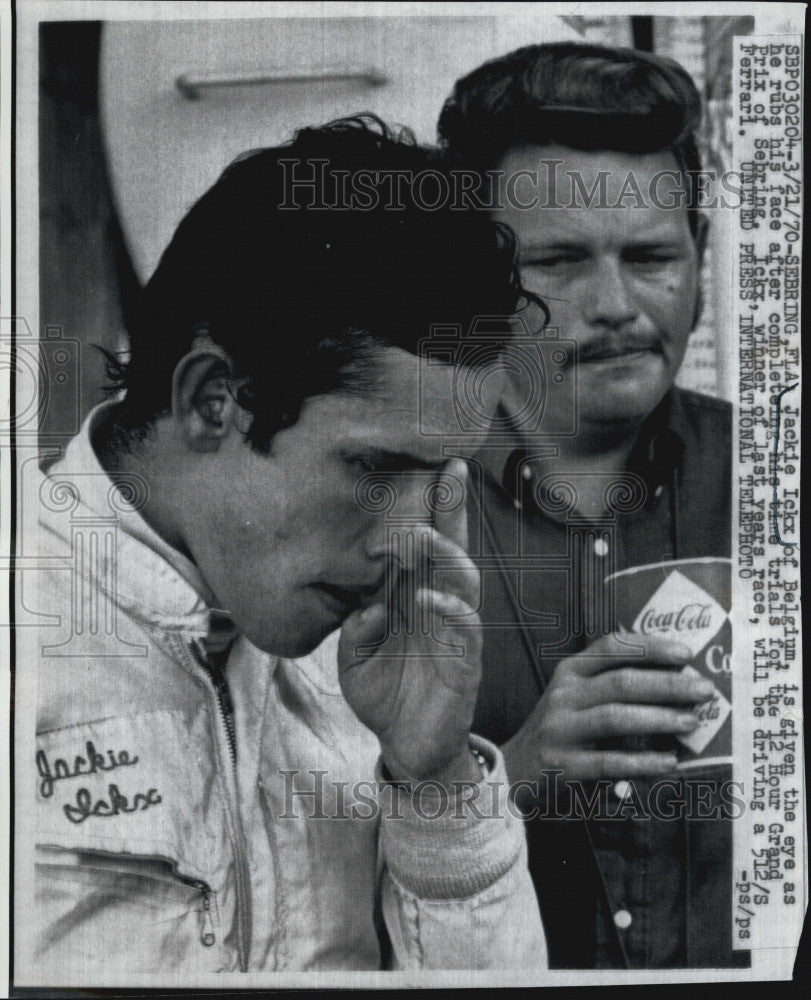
(440, 846)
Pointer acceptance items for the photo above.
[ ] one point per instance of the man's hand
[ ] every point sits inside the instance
(417, 700)
(595, 696)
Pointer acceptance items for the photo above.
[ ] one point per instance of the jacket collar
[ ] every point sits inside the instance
(148, 578)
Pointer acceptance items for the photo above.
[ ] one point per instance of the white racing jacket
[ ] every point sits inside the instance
(184, 826)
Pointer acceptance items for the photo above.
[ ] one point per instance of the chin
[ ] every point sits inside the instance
(629, 406)
(618, 416)
(288, 645)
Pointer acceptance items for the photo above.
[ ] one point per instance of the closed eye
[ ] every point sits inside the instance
(553, 263)
(381, 461)
(368, 463)
(641, 256)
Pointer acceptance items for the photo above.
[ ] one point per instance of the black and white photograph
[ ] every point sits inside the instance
(400, 507)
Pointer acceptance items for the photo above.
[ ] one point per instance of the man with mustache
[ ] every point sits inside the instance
(591, 151)
(204, 796)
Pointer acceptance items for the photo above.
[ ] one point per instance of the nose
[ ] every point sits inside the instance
(404, 507)
(608, 300)
(419, 502)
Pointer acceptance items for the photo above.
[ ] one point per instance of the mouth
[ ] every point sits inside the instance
(624, 349)
(342, 601)
(617, 356)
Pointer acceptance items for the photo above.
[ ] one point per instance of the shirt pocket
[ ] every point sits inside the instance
(129, 848)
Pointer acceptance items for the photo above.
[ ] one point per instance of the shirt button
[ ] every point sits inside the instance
(526, 472)
(601, 547)
(517, 504)
(658, 491)
(621, 789)
(623, 919)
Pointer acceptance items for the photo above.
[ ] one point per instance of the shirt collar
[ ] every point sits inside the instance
(659, 447)
(657, 451)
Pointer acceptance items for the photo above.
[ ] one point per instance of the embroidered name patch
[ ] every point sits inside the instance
(138, 785)
(78, 766)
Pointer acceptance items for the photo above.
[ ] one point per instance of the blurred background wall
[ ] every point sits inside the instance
(125, 148)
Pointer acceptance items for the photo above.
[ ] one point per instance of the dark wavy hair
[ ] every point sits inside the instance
(587, 97)
(300, 294)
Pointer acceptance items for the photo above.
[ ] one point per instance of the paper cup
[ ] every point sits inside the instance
(688, 601)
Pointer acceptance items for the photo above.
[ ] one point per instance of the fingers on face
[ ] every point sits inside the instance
(411, 611)
(436, 620)
(439, 610)
(361, 629)
(453, 483)
(425, 559)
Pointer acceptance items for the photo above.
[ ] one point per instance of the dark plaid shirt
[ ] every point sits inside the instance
(627, 893)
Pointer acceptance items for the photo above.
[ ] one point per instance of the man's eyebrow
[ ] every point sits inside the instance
(388, 458)
(656, 248)
(572, 244)
(649, 241)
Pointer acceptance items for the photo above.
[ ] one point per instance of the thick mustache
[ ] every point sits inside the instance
(611, 344)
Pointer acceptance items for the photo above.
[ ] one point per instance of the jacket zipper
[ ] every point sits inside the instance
(207, 935)
(216, 675)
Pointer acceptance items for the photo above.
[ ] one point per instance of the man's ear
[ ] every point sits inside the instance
(202, 404)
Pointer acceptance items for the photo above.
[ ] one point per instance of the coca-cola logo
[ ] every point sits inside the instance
(681, 608)
(689, 618)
